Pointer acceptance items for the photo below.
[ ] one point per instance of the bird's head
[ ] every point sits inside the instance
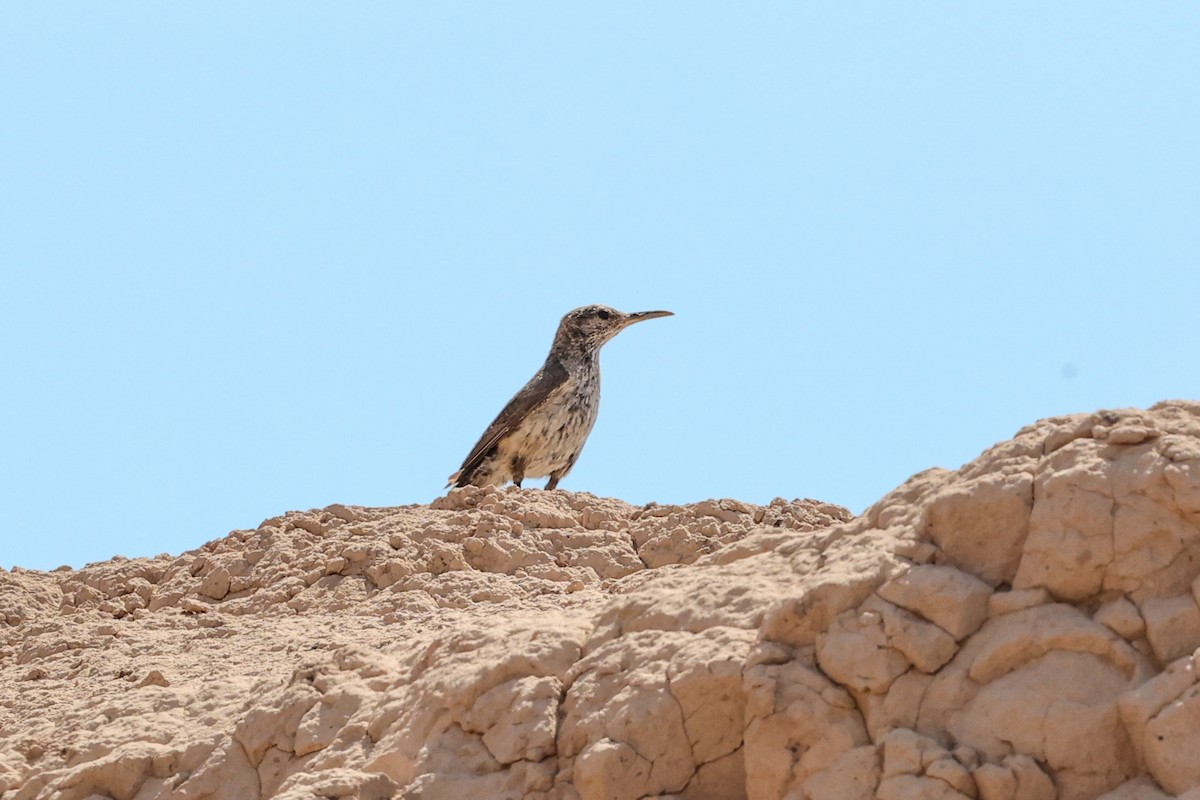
(589, 327)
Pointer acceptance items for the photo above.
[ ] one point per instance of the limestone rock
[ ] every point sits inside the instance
(951, 599)
(1142, 788)
(1172, 626)
(981, 523)
(1122, 617)
(1023, 628)
(856, 653)
(1016, 600)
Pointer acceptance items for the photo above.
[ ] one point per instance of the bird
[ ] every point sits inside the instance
(543, 428)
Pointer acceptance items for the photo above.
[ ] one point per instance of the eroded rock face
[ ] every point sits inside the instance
(1025, 627)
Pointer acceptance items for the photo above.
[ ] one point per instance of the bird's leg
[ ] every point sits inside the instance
(555, 477)
(518, 470)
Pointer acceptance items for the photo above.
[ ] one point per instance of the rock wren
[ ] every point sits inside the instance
(542, 429)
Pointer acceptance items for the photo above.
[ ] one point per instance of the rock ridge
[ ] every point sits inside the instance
(1027, 626)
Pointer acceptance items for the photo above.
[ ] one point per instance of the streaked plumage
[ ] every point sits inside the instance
(543, 428)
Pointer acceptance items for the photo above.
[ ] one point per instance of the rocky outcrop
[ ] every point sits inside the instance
(1025, 627)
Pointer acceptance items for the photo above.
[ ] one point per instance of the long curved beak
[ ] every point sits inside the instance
(642, 316)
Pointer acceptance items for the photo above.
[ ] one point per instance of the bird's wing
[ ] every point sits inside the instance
(550, 377)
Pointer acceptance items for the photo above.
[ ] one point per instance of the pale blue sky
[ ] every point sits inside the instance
(266, 256)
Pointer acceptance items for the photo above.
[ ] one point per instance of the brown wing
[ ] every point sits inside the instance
(549, 377)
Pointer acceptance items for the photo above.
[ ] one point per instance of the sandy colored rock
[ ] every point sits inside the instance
(1016, 600)
(1172, 625)
(1122, 617)
(1032, 683)
(900, 707)
(856, 653)
(1115, 514)
(981, 523)
(1172, 742)
(906, 752)
(954, 775)
(923, 644)
(912, 787)
(517, 720)
(1022, 628)
(1162, 716)
(1016, 778)
(951, 599)
(799, 724)
(1142, 788)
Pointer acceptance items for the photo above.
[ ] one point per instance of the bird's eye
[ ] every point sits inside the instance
(603, 314)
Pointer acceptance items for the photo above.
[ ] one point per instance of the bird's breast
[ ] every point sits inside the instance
(553, 434)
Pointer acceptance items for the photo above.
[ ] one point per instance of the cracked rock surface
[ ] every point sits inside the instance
(1024, 627)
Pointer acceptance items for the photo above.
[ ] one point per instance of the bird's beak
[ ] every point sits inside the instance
(641, 316)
